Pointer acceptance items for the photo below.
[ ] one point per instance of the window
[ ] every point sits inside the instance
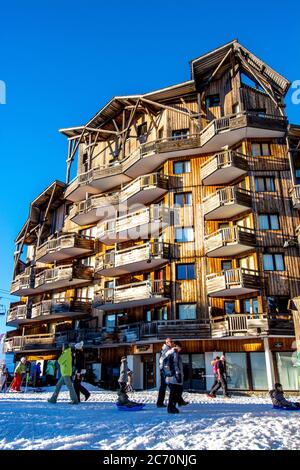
(274, 262)
(288, 373)
(89, 232)
(147, 315)
(269, 222)
(229, 307)
(212, 101)
(88, 262)
(160, 133)
(183, 199)
(259, 149)
(277, 304)
(250, 306)
(184, 234)
(85, 293)
(185, 271)
(187, 312)
(226, 264)
(141, 129)
(297, 174)
(258, 370)
(237, 371)
(264, 183)
(182, 167)
(180, 134)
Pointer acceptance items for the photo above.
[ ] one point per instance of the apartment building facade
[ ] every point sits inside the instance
(181, 221)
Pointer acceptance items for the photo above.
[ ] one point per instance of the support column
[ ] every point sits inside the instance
(157, 370)
(269, 364)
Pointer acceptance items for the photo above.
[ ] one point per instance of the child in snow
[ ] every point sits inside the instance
(20, 370)
(278, 399)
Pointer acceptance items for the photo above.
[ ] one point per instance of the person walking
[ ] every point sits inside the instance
(80, 372)
(3, 377)
(220, 378)
(36, 374)
(65, 362)
(214, 363)
(20, 371)
(129, 386)
(50, 373)
(165, 350)
(173, 370)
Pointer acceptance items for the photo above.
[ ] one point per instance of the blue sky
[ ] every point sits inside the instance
(62, 60)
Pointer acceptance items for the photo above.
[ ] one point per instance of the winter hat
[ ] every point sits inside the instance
(23, 360)
(79, 345)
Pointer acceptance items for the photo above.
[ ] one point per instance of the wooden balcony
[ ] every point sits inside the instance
(226, 203)
(280, 324)
(55, 309)
(143, 224)
(231, 129)
(295, 194)
(223, 168)
(133, 295)
(68, 245)
(146, 257)
(62, 277)
(17, 313)
(96, 180)
(232, 283)
(94, 208)
(229, 241)
(23, 283)
(179, 329)
(144, 189)
(30, 343)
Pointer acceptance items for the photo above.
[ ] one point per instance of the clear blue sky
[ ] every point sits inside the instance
(62, 60)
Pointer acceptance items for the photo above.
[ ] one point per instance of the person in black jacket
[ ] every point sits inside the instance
(79, 372)
(279, 400)
(221, 381)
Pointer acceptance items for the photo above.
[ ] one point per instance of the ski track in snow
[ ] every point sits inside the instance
(29, 422)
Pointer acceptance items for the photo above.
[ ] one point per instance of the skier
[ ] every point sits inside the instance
(65, 362)
(20, 370)
(80, 372)
(50, 373)
(173, 371)
(279, 400)
(165, 350)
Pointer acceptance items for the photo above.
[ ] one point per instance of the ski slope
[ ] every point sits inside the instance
(28, 422)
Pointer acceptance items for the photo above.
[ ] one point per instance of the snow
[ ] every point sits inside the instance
(28, 421)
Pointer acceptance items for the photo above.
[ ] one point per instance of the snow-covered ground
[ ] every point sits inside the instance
(28, 422)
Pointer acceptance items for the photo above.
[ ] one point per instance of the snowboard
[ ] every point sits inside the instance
(136, 407)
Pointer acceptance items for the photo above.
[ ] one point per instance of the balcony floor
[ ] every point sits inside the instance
(134, 267)
(64, 283)
(134, 303)
(233, 292)
(23, 292)
(62, 254)
(229, 250)
(94, 215)
(144, 196)
(223, 176)
(143, 232)
(226, 211)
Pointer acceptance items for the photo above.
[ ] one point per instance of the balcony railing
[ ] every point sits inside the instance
(226, 203)
(23, 283)
(144, 189)
(62, 276)
(229, 241)
(30, 342)
(17, 312)
(232, 282)
(142, 224)
(252, 325)
(56, 307)
(135, 294)
(66, 246)
(223, 168)
(295, 194)
(148, 256)
(94, 208)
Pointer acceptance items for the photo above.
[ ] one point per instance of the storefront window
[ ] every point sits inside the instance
(198, 372)
(288, 374)
(237, 371)
(259, 373)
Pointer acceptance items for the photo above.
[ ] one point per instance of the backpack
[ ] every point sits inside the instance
(168, 366)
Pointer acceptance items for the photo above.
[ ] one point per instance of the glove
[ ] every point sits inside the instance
(178, 378)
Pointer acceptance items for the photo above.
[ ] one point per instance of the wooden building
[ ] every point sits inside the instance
(181, 221)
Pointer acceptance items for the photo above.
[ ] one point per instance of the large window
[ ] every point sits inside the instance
(264, 183)
(185, 271)
(237, 377)
(183, 199)
(261, 149)
(187, 311)
(269, 222)
(259, 373)
(277, 304)
(184, 234)
(250, 306)
(229, 307)
(288, 374)
(181, 167)
(274, 262)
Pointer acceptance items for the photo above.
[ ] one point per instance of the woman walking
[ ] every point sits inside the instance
(80, 372)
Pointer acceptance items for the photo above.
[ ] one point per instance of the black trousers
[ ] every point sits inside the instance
(175, 395)
(79, 388)
(218, 383)
(162, 390)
